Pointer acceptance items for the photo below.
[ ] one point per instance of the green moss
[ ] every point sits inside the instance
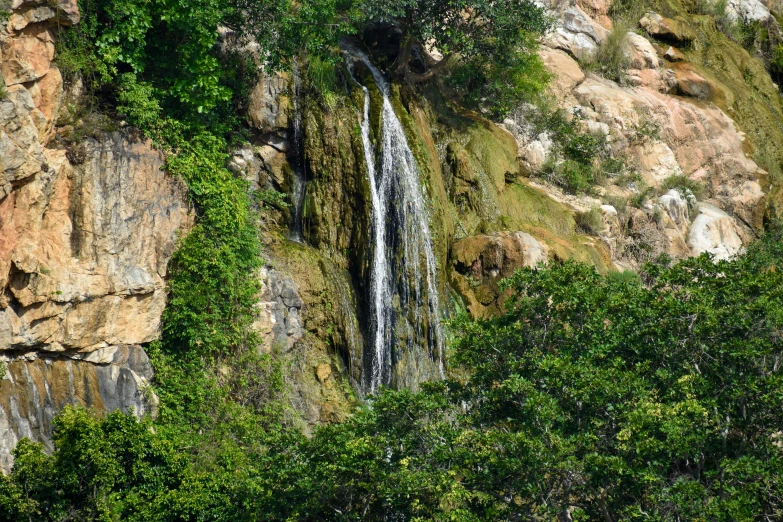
(525, 206)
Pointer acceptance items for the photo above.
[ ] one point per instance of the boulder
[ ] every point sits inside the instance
(715, 232)
(748, 11)
(640, 52)
(673, 55)
(666, 28)
(577, 34)
(693, 85)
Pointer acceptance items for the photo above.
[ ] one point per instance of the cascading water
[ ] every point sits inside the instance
(298, 163)
(405, 307)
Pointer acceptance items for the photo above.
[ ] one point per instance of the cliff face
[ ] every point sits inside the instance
(692, 119)
(85, 237)
(86, 231)
(689, 102)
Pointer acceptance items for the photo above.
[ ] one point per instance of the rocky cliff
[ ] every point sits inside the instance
(86, 232)
(693, 144)
(691, 122)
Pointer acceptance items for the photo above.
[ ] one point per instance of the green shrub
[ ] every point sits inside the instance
(684, 185)
(574, 164)
(642, 194)
(611, 61)
(572, 176)
(213, 280)
(590, 222)
(646, 131)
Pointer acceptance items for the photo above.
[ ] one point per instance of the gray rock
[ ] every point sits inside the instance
(35, 387)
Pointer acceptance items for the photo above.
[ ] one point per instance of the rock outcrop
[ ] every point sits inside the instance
(86, 233)
(35, 388)
(672, 122)
(84, 249)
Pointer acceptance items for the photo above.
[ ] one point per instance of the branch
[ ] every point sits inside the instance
(400, 65)
(430, 73)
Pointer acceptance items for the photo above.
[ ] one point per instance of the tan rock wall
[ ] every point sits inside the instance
(84, 246)
(84, 249)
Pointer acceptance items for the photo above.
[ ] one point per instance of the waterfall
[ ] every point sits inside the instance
(298, 163)
(404, 298)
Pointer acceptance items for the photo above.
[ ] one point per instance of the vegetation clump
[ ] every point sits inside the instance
(598, 397)
(592, 397)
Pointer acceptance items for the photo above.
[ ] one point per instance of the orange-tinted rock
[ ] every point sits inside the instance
(84, 249)
(691, 84)
(673, 55)
(26, 57)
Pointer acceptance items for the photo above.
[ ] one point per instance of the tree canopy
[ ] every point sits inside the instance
(487, 48)
(592, 398)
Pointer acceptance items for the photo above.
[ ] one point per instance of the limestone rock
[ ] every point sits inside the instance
(666, 28)
(640, 52)
(678, 207)
(566, 71)
(598, 11)
(47, 94)
(27, 56)
(26, 12)
(21, 153)
(691, 137)
(691, 84)
(279, 310)
(268, 104)
(323, 372)
(714, 231)
(673, 55)
(748, 11)
(577, 33)
(481, 262)
(35, 387)
(84, 249)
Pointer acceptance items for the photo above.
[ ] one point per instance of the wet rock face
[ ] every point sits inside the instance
(36, 386)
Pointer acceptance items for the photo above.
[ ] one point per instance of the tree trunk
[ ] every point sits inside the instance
(430, 73)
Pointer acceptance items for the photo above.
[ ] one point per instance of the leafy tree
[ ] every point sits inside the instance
(487, 47)
(591, 398)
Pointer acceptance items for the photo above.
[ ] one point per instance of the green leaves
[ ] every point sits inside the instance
(598, 396)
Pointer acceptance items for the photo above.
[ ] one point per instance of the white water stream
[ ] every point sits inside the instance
(298, 188)
(403, 281)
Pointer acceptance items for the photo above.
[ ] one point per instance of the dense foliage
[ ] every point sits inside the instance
(593, 398)
(486, 48)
